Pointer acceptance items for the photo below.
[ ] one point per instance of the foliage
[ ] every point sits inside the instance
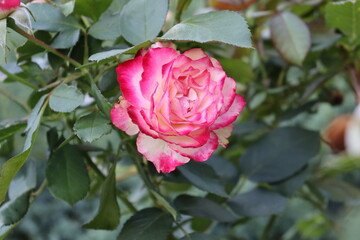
(297, 63)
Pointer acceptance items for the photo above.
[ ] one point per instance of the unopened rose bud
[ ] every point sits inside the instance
(335, 132)
(7, 7)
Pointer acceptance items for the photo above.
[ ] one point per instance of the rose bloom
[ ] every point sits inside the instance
(182, 105)
(8, 6)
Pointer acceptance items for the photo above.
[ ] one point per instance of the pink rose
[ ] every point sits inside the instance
(8, 6)
(182, 105)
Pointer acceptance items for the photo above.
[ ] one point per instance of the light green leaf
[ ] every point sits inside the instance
(115, 52)
(221, 26)
(204, 177)
(258, 202)
(279, 154)
(150, 223)
(50, 18)
(13, 211)
(66, 39)
(291, 37)
(22, 18)
(12, 166)
(66, 98)
(142, 20)
(67, 175)
(3, 32)
(91, 8)
(345, 16)
(108, 215)
(101, 101)
(11, 130)
(92, 127)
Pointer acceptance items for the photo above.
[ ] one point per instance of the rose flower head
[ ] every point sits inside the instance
(182, 105)
(7, 7)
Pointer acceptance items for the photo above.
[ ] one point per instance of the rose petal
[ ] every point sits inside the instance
(202, 153)
(152, 63)
(159, 153)
(129, 77)
(223, 134)
(229, 93)
(194, 139)
(231, 115)
(138, 117)
(121, 119)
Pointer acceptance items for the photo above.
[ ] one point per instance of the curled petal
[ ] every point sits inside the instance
(129, 77)
(194, 139)
(121, 119)
(159, 153)
(231, 115)
(139, 118)
(223, 134)
(202, 153)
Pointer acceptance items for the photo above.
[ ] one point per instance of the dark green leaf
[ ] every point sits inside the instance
(345, 16)
(92, 127)
(291, 37)
(65, 98)
(222, 26)
(279, 154)
(91, 8)
(142, 20)
(204, 177)
(67, 175)
(257, 202)
(150, 223)
(14, 210)
(237, 69)
(50, 18)
(289, 186)
(203, 207)
(11, 130)
(108, 215)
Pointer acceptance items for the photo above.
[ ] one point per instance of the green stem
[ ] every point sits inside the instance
(265, 234)
(65, 142)
(238, 186)
(43, 45)
(17, 78)
(39, 190)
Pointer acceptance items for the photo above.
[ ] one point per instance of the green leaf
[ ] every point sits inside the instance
(257, 202)
(149, 223)
(237, 69)
(91, 8)
(164, 202)
(50, 18)
(101, 101)
(203, 207)
(221, 26)
(12, 166)
(340, 191)
(111, 17)
(289, 186)
(204, 177)
(291, 37)
(22, 18)
(142, 20)
(11, 130)
(345, 16)
(13, 211)
(66, 39)
(279, 154)
(113, 53)
(67, 175)
(199, 236)
(92, 127)
(108, 215)
(65, 98)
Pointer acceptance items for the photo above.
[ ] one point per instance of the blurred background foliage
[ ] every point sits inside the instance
(287, 173)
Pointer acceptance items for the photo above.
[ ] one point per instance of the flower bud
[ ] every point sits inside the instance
(7, 7)
(335, 132)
